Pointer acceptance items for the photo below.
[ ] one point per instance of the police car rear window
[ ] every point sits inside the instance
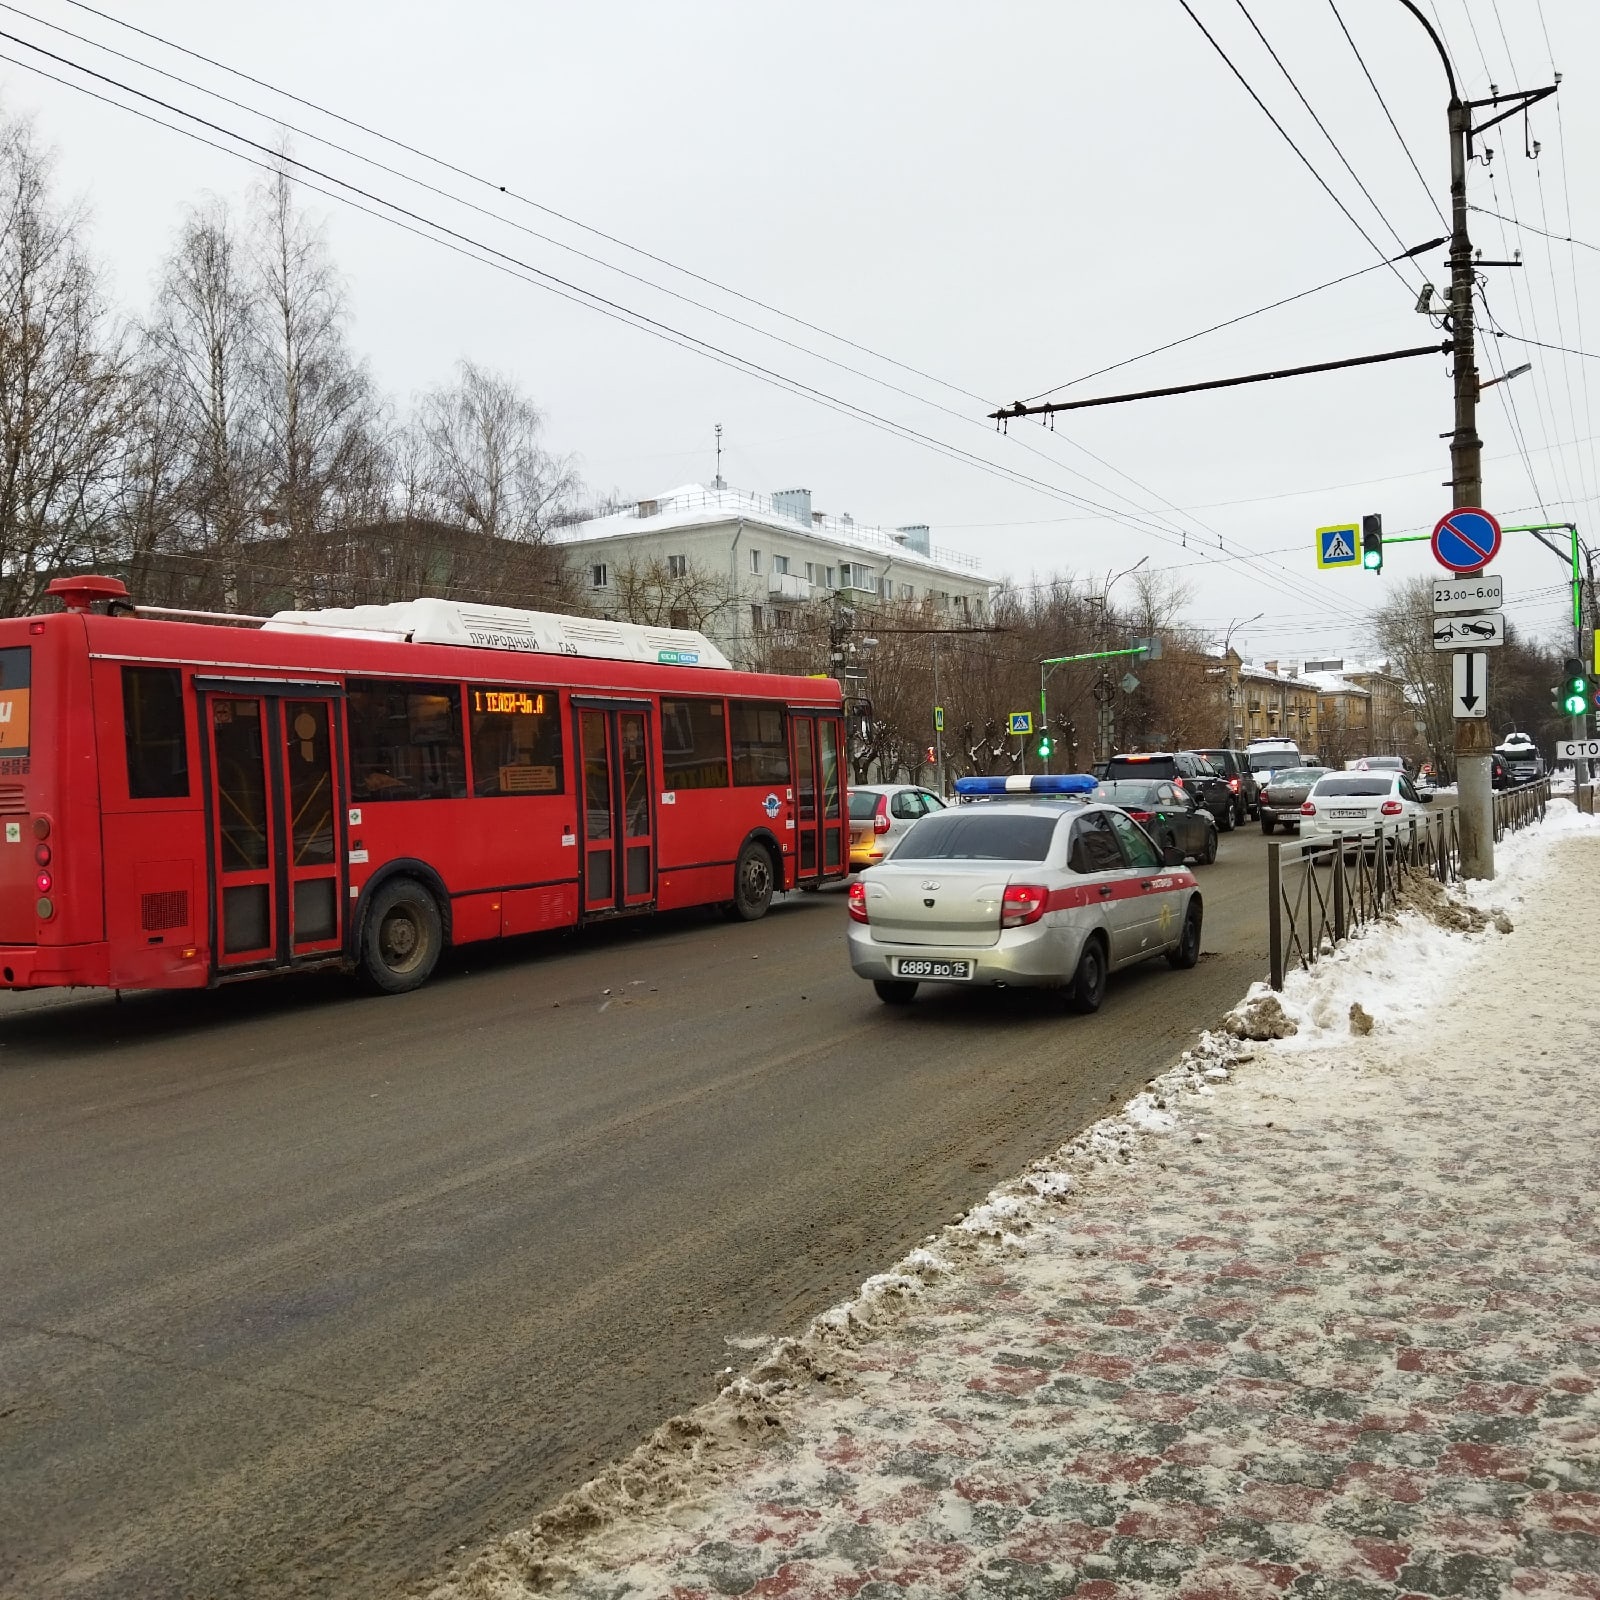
(978, 835)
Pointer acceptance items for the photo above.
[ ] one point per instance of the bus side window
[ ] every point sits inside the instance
(405, 740)
(760, 747)
(152, 726)
(516, 740)
(694, 744)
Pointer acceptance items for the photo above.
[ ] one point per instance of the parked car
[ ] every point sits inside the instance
(1355, 805)
(881, 815)
(1284, 794)
(1233, 766)
(1021, 895)
(1167, 813)
(1378, 764)
(1522, 758)
(1186, 769)
(1499, 772)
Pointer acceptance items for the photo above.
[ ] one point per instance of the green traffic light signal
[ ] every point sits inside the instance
(1046, 747)
(1372, 543)
(1575, 699)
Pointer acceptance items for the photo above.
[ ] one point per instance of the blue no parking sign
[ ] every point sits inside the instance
(1467, 540)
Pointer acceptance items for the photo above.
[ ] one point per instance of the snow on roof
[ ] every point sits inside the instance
(1334, 683)
(693, 505)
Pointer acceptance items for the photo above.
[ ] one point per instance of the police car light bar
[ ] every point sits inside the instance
(1034, 783)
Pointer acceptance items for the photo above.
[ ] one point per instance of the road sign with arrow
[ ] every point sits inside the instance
(1478, 633)
(1471, 685)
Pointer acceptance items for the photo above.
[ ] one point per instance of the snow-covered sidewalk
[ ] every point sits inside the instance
(1310, 1317)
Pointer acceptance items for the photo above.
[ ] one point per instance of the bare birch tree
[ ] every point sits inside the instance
(62, 388)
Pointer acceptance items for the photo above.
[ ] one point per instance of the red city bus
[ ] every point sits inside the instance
(186, 803)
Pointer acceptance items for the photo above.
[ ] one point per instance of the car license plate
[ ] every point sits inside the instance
(915, 967)
(1358, 816)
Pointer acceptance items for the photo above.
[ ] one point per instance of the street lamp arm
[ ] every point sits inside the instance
(1438, 44)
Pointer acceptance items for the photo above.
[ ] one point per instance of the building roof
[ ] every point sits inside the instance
(693, 505)
(1334, 683)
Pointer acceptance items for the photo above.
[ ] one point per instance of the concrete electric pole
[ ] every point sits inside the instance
(1474, 742)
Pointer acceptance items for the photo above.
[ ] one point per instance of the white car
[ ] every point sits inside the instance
(1354, 805)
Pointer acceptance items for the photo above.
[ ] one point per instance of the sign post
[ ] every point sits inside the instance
(1465, 541)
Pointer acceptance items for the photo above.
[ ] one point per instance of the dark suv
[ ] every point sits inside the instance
(1189, 770)
(1241, 780)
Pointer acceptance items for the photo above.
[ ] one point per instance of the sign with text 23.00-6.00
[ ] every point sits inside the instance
(1468, 594)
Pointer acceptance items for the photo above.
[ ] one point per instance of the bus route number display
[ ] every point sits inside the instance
(518, 702)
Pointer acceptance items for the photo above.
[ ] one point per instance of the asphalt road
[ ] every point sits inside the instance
(305, 1291)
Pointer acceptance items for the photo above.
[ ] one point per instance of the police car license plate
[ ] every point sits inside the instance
(911, 967)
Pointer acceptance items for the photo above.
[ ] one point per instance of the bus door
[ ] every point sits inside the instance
(275, 802)
(803, 762)
(619, 846)
(815, 744)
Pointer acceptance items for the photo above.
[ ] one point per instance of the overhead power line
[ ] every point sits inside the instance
(1288, 138)
(1560, 238)
(416, 223)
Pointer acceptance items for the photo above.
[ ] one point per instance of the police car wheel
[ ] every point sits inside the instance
(1089, 981)
(1186, 952)
(895, 992)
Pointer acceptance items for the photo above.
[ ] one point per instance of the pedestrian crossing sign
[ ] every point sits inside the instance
(1339, 546)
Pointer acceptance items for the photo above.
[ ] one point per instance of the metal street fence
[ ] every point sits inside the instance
(1319, 894)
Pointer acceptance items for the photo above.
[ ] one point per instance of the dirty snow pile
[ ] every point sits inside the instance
(1135, 1365)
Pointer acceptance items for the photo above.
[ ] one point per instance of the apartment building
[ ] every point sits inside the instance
(763, 560)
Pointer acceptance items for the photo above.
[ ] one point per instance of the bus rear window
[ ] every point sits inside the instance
(152, 726)
(760, 748)
(16, 687)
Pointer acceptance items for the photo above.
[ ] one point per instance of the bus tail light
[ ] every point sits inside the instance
(856, 902)
(1022, 903)
(880, 817)
(1392, 808)
(43, 882)
(1308, 810)
(41, 854)
(45, 908)
(41, 827)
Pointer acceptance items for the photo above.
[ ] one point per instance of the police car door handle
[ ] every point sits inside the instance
(1147, 884)
(1105, 889)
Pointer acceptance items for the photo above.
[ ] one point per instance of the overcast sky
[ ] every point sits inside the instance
(1003, 197)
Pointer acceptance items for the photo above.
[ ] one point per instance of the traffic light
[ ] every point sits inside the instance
(1575, 689)
(1046, 747)
(930, 755)
(1372, 543)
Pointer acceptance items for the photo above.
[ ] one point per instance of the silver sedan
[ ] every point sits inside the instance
(1021, 894)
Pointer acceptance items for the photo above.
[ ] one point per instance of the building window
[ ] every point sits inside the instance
(694, 744)
(908, 591)
(760, 750)
(758, 619)
(677, 566)
(405, 741)
(828, 578)
(755, 560)
(152, 726)
(783, 621)
(599, 577)
(811, 572)
(780, 565)
(678, 617)
(516, 740)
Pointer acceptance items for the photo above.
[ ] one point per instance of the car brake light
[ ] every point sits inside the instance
(1022, 903)
(1177, 783)
(880, 817)
(1233, 783)
(1391, 808)
(857, 902)
(1308, 810)
(1261, 794)
(1140, 816)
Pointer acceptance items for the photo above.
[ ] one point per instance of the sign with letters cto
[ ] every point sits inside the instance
(1019, 722)
(1485, 593)
(1578, 749)
(1339, 546)
(1466, 540)
(1469, 632)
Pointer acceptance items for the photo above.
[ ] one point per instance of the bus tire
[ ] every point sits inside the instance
(401, 938)
(753, 877)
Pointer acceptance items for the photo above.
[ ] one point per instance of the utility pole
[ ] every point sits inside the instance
(1474, 741)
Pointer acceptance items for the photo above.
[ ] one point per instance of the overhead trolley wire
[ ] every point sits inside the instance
(1140, 517)
(463, 244)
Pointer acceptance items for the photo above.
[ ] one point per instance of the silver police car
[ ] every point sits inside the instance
(1038, 889)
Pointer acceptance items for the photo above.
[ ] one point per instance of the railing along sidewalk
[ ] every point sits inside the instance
(1309, 912)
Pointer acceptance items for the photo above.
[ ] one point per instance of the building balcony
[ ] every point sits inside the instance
(787, 586)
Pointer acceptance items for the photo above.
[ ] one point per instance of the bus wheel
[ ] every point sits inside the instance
(752, 883)
(402, 938)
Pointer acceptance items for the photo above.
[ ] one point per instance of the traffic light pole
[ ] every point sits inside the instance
(1049, 665)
